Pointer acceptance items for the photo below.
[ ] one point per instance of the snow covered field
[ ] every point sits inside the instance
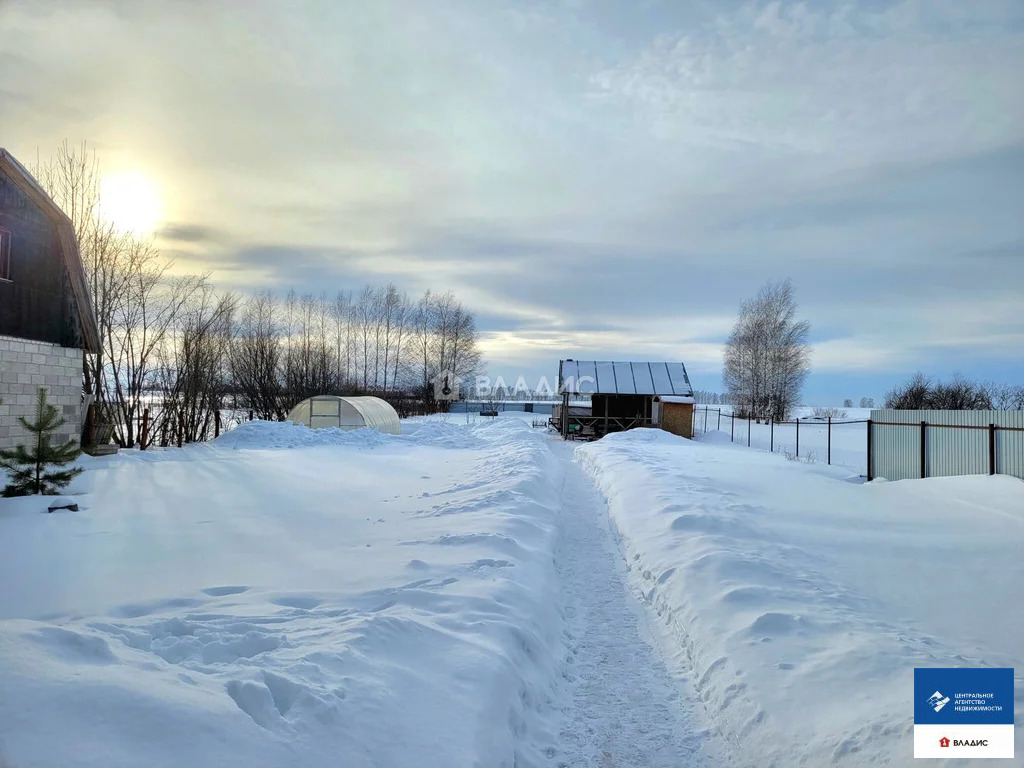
(483, 594)
(801, 601)
(849, 441)
(361, 601)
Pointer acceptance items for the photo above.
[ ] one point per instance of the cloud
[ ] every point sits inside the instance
(840, 87)
(186, 233)
(591, 181)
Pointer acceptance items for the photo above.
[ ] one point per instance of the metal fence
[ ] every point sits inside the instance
(908, 444)
(896, 445)
(816, 434)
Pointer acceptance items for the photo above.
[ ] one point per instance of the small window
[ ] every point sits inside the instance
(5, 254)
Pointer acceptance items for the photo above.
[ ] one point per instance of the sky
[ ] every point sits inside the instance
(596, 179)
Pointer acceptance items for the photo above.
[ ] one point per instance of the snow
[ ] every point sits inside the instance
(363, 600)
(625, 706)
(475, 592)
(849, 440)
(800, 599)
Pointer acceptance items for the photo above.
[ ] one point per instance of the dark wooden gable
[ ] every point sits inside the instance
(43, 290)
(36, 301)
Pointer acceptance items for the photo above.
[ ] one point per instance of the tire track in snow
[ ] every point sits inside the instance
(623, 708)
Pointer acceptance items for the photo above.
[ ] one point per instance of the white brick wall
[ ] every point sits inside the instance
(25, 366)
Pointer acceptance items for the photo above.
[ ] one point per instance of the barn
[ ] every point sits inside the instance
(47, 323)
(624, 395)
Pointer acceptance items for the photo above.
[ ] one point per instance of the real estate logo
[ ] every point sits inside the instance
(963, 712)
(938, 701)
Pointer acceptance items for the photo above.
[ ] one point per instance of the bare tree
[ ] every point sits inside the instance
(141, 324)
(464, 356)
(256, 357)
(767, 355)
(72, 178)
(1006, 397)
(423, 342)
(366, 318)
(195, 368)
(341, 315)
(920, 392)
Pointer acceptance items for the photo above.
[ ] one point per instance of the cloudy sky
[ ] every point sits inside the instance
(594, 178)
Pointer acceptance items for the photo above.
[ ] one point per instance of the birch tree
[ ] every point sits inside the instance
(767, 357)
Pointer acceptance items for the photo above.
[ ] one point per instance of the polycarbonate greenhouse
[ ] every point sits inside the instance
(347, 413)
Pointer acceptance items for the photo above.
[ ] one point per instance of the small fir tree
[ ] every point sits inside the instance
(34, 469)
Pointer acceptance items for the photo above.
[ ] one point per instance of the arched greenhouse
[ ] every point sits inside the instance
(347, 413)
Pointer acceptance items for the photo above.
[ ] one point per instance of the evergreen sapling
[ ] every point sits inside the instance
(35, 469)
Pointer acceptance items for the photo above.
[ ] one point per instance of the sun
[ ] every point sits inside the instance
(130, 201)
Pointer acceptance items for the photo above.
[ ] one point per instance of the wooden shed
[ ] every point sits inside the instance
(674, 414)
(622, 394)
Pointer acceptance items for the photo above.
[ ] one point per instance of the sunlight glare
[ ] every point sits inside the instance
(131, 202)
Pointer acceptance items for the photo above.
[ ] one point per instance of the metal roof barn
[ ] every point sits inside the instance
(623, 395)
(595, 377)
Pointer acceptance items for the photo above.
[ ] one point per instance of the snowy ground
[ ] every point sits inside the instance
(369, 601)
(849, 441)
(802, 599)
(475, 592)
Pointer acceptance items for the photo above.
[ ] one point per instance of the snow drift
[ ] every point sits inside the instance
(801, 600)
(286, 596)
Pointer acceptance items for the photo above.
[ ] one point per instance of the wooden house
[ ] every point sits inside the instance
(47, 323)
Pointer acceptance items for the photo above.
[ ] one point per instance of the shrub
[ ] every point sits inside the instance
(826, 413)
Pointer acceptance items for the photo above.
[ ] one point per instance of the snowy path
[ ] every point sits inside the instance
(626, 710)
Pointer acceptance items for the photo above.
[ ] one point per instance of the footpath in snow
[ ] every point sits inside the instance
(801, 600)
(624, 706)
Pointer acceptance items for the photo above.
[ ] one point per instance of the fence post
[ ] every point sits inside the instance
(705, 419)
(798, 437)
(829, 440)
(991, 449)
(749, 419)
(732, 427)
(144, 437)
(216, 423)
(870, 446)
(924, 471)
(771, 435)
(719, 419)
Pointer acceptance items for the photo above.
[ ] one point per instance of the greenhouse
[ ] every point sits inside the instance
(347, 413)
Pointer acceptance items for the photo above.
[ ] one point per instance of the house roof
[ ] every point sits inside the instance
(68, 243)
(596, 377)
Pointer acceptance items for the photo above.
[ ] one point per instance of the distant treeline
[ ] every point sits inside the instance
(921, 392)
